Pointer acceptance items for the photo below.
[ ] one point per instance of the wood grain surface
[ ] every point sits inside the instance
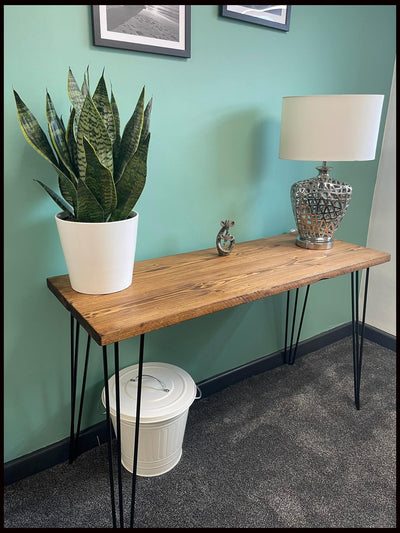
(169, 290)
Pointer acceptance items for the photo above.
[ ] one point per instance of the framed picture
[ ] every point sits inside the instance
(154, 29)
(273, 16)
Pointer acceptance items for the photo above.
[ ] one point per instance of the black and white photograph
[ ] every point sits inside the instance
(274, 16)
(159, 29)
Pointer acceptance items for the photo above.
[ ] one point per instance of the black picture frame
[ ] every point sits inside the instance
(106, 19)
(256, 15)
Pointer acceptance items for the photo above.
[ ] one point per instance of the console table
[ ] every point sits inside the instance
(170, 290)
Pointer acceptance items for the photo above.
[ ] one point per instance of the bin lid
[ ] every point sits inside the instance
(167, 391)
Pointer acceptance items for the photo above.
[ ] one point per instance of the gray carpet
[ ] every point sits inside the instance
(284, 449)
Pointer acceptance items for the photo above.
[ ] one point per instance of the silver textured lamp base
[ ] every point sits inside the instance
(319, 205)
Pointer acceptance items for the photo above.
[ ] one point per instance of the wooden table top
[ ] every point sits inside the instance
(169, 290)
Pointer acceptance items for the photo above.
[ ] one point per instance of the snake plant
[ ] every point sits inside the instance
(101, 174)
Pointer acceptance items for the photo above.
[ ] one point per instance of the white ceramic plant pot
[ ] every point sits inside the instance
(99, 255)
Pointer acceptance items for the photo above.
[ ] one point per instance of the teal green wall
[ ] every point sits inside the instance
(213, 155)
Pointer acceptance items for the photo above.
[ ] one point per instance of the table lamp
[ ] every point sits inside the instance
(340, 127)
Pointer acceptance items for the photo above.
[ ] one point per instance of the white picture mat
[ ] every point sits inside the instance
(261, 13)
(139, 39)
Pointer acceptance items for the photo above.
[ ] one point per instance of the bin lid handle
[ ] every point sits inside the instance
(164, 388)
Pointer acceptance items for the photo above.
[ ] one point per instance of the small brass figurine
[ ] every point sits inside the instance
(225, 241)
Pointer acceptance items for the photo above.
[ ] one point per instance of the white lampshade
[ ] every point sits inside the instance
(339, 127)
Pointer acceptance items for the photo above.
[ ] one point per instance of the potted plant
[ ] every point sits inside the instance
(101, 175)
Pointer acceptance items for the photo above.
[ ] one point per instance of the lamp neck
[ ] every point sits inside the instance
(323, 170)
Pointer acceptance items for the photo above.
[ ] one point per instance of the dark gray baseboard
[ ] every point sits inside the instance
(380, 337)
(52, 455)
(58, 452)
(268, 362)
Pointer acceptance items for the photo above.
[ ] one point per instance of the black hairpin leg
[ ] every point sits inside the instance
(290, 356)
(136, 445)
(74, 364)
(82, 397)
(357, 331)
(118, 427)
(118, 415)
(109, 435)
(73, 444)
(74, 438)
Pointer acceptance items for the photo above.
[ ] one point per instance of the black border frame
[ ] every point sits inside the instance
(99, 41)
(224, 12)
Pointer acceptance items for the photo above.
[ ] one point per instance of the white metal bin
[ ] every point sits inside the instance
(167, 393)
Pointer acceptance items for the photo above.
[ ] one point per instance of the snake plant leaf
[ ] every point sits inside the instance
(130, 138)
(87, 207)
(85, 84)
(115, 111)
(64, 170)
(62, 125)
(102, 103)
(146, 119)
(131, 184)
(91, 126)
(67, 189)
(99, 180)
(70, 140)
(77, 99)
(57, 136)
(75, 94)
(34, 134)
(117, 140)
(32, 131)
(58, 200)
